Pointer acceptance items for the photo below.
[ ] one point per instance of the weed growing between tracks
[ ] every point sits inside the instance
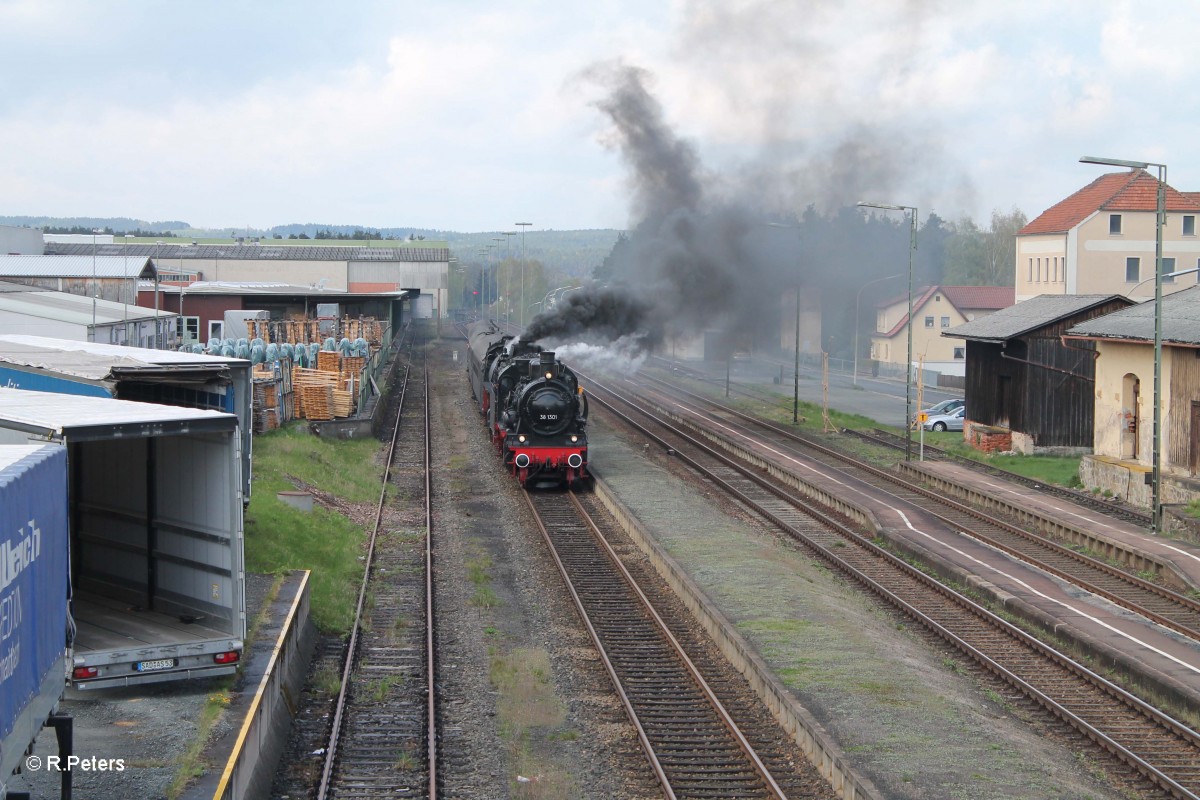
(528, 710)
(279, 538)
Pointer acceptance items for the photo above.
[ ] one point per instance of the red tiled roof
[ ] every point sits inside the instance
(992, 298)
(1136, 190)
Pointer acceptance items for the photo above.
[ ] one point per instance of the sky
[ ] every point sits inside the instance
(471, 116)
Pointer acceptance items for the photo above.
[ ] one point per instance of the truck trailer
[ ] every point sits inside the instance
(94, 369)
(154, 507)
(35, 623)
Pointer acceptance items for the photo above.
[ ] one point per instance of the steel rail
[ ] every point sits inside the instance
(339, 715)
(1104, 740)
(1182, 601)
(726, 718)
(664, 631)
(430, 660)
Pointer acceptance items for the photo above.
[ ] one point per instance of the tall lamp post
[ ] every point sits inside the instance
(95, 282)
(496, 268)
(908, 370)
(523, 226)
(1160, 220)
(483, 253)
(856, 301)
(508, 278)
(796, 350)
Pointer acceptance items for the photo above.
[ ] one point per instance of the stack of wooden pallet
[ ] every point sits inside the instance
(321, 393)
(329, 361)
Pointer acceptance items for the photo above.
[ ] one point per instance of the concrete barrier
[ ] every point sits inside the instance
(250, 767)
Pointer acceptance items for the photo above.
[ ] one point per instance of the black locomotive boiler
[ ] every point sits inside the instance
(533, 404)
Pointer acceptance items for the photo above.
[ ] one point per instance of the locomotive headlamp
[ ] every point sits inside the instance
(549, 375)
(521, 438)
(574, 439)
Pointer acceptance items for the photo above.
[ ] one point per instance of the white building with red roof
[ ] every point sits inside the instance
(935, 308)
(1101, 240)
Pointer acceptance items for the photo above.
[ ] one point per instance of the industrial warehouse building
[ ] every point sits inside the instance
(31, 310)
(333, 268)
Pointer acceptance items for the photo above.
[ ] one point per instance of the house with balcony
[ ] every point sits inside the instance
(1101, 240)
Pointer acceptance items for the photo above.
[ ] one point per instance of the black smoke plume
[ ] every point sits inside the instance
(604, 315)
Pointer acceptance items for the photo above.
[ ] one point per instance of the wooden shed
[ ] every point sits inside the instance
(1027, 389)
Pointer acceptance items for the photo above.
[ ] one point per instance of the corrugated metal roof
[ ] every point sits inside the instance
(77, 266)
(268, 288)
(1180, 321)
(12, 453)
(1034, 313)
(71, 308)
(95, 361)
(250, 252)
(78, 418)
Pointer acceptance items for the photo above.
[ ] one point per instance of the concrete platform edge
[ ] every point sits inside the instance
(825, 753)
(1169, 691)
(267, 718)
(1121, 552)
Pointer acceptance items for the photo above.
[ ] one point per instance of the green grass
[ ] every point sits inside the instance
(280, 538)
(345, 467)
(1056, 470)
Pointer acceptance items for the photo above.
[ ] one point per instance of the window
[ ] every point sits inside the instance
(1031, 270)
(945, 322)
(1114, 224)
(1168, 267)
(191, 329)
(215, 329)
(1189, 224)
(929, 322)
(960, 353)
(1133, 269)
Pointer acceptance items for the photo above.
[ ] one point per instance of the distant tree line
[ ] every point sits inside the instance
(84, 230)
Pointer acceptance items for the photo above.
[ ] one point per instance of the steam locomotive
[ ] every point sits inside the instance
(533, 404)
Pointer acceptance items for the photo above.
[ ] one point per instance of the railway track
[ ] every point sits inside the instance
(1127, 589)
(1115, 510)
(694, 746)
(1160, 754)
(383, 735)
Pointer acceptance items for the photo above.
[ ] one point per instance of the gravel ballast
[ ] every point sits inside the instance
(911, 718)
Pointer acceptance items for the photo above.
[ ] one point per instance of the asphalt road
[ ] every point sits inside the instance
(880, 399)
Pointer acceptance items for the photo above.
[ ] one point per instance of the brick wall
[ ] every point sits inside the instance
(987, 438)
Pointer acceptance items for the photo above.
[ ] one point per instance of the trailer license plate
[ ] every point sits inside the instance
(160, 663)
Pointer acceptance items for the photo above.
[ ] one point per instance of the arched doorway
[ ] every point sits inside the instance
(1131, 388)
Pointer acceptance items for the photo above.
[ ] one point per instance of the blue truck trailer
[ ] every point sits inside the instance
(35, 624)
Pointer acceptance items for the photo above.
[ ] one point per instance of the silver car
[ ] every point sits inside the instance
(947, 422)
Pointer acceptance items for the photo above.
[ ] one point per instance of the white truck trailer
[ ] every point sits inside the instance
(156, 538)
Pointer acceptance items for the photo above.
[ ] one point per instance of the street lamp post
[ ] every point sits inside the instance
(483, 282)
(796, 350)
(523, 226)
(508, 278)
(495, 269)
(1160, 220)
(908, 369)
(95, 283)
(856, 301)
